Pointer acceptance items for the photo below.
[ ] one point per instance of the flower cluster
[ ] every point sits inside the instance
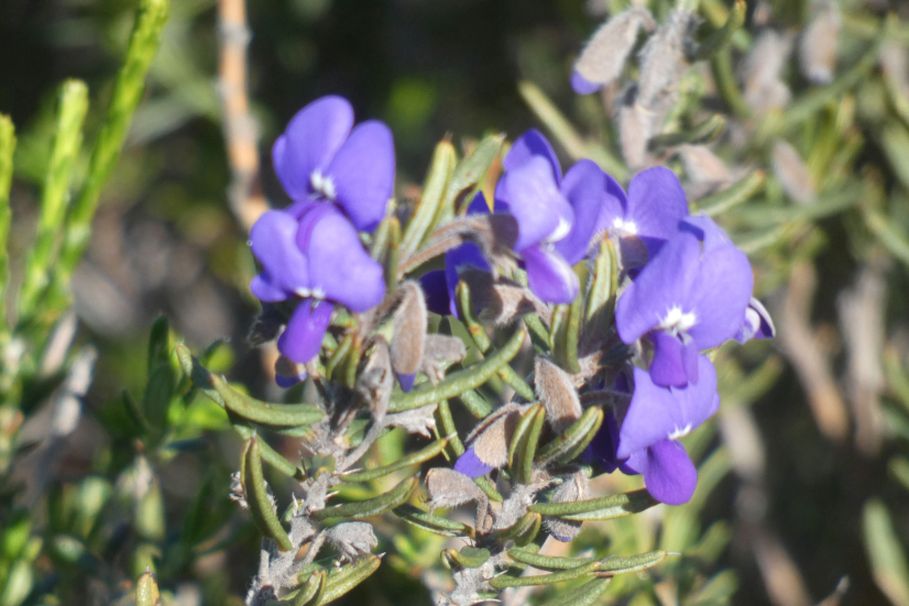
(340, 178)
(688, 288)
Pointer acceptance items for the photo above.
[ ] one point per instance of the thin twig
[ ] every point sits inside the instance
(240, 133)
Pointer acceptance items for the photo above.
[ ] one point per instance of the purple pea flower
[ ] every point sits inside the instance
(530, 190)
(321, 156)
(318, 261)
(439, 285)
(647, 216)
(656, 418)
(692, 296)
(757, 325)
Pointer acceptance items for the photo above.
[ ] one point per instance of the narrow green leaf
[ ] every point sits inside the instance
(544, 562)
(421, 222)
(573, 440)
(527, 442)
(586, 594)
(566, 339)
(524, 531)
(313, 589)
(721, 38)
(602, 508)
(392, 253)
(475, 404)
(243, 406)
(889, 234)
(416, 458)
(433, 523)
(128, 89)
(270, 455)
(344, 579)
(522, 427)
(72, 105)
(735, 194)
(566, 134)
(603, 285)
(261, 507)
(505, 581)
(708, 130)
(371, 507)
(888, 560)
(614, 565)
(7, 147)
(469, 173)
(610, 566)
(466, 557)
(462, 380)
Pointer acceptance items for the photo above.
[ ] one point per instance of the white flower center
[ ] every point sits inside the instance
(560, 231)
(624, 228)
(680, 432)
(677, 322)
(310, 293)
(322, 184)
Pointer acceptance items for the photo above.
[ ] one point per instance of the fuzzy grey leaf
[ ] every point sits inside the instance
(792, 173)
(663, 62)
(352, 539)
(764, 89)
(498, 300)
(409, 338)
(574, 488)
(607, 50)
(440, 352)
(375, 381)
(556, 391)
(819, 42)
(448, 488)
(490, 439)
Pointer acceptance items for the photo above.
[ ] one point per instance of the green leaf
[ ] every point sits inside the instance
(586, 594)
(72, 105)
(243, 406)
(610, 566)
(416, 458)
(565, 341)
(344, 579)
(573, 440)
(469, 174)
(458, 382)
(735, 194)
(313, 589)
(466, 557)
(523, 446)
(7, 147)
(432, 523)
(544, 562)
(566, 134)
(524, 531)
(889, 234)
(260, 504)
(602, 508)
(429, 209)
(128, 89)
(720, 38)
(270, 455)
(371, 507)
(888, 560)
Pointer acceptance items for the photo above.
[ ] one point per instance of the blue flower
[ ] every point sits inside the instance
(322, 156)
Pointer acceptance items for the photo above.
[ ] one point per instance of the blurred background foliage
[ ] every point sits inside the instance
(805, 486)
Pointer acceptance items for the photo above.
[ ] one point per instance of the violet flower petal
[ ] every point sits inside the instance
(435, 292)
(549, 276)
(585, 187)
(663, 283)
(273, 242)
(363, 173)
(582, 85)
(302, 339)
(534, 199)
(656, 203)
(340, 269)
(669, 475)
(311, 139)
(656, 413)
(674, 364)
(757, 323)
(471, 465)
(719, 295)
(529, 145)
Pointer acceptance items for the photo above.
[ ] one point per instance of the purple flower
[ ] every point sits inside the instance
(318, 261)
(530, 191)
(692, 296)
(647, 216)
(757, 325)
(656, 418)
(319, 157)
(439, 285)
